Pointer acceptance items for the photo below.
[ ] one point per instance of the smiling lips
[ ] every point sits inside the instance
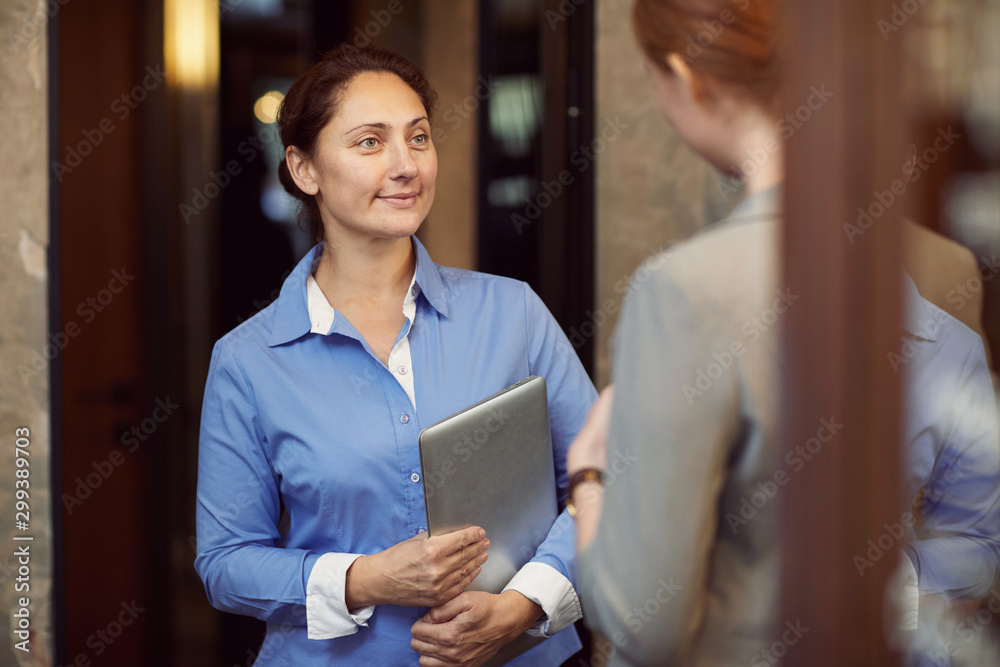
(401, 200)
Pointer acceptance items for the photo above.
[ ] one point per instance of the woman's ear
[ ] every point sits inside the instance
(301, 169)
(689, 80)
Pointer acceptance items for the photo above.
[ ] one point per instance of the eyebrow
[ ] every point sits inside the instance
(385, 126)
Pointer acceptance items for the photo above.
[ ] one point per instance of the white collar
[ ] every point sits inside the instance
(322, 314)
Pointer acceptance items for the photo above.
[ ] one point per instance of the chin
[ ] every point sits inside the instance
(404, 227)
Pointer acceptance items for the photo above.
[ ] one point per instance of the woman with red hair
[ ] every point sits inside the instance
(680, 554)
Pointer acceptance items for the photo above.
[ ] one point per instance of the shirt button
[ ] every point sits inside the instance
(415, 477)
(405, 419)
(402, 370)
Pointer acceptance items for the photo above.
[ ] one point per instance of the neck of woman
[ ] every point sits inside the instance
(744, 140)
(366, 270)
(761, 153)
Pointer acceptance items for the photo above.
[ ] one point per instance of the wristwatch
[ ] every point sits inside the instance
(579, 477)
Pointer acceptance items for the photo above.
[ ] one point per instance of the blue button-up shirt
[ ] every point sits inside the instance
(952, 451)
(309, 447)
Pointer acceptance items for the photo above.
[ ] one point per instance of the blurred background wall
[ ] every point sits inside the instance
(25, 346)
(651, 188)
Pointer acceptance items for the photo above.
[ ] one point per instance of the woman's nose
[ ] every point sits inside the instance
(401, 162)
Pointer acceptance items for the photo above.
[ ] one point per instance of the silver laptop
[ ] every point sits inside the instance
(491, 465)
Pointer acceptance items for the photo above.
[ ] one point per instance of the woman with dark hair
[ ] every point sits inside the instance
(310, 502)
(680, 556)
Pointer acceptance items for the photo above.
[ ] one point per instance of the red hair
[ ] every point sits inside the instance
(731, 41)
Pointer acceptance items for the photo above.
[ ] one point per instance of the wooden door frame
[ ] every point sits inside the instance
(846, 320)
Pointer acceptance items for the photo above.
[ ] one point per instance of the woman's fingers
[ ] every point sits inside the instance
(458, 541)
(470, 578)
(428, 571)
(458, 580)
(467, 547)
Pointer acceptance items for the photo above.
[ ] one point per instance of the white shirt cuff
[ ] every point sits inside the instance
(549, 589)
(909, 595)
(327, 616)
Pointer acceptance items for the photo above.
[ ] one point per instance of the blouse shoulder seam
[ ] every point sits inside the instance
(249, 392)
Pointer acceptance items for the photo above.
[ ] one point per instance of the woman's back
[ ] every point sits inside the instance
(696, 370)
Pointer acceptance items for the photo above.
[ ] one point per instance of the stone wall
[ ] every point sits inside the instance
(24, 364)
(651, 189)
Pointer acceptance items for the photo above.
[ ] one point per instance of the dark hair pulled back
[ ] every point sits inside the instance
(313, 100)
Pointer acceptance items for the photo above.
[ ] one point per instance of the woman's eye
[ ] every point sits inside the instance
(369, 143)
(420, 139)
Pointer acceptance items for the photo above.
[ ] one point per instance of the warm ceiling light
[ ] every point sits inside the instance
(191, 42)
